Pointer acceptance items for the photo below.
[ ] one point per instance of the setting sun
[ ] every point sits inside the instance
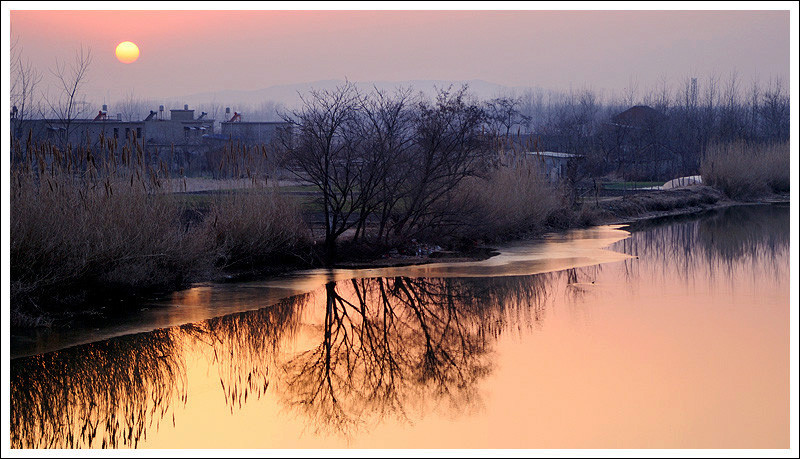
(127, 52)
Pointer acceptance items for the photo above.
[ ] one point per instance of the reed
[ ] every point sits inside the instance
(511, 199)
(104, 218)
(745, 170)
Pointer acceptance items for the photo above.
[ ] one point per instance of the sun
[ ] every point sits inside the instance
(127, 52)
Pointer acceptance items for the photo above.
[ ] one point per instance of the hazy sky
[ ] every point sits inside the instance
(185, 52)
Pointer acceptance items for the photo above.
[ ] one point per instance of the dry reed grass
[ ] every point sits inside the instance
(255, 225)
(512, 199)
(743, 170)
(91, 220)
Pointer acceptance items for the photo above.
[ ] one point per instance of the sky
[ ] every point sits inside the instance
(187, 52)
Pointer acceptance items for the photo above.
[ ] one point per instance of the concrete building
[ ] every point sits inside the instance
(80, 131)
(181, 130)
(248, 132)
(253, 132)
(176, 140)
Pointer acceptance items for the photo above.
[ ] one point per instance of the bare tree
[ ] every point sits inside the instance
(68, 103)
(449, 145)
(387, 125)
(214, 110)
(24, 80)
(323, 152)
(133, 108)
(268, 110)
(774, 110)
(503, 114)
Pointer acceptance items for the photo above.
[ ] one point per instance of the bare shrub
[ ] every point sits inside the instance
(743, 169)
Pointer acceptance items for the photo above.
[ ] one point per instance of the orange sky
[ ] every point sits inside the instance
(185, 52)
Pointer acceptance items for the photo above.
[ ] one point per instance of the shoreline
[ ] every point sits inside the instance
(588, 247)
(624, 210)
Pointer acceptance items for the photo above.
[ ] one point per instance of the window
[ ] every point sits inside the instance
(138, 133)
(116, 132)
(127, 133)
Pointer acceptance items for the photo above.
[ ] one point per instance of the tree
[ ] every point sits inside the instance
(133, 108)
(322, 151)
(387, 125)
(68, 104)
(449, 145)
(503, 114)
(24, 80)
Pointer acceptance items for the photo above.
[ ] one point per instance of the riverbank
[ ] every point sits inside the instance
(626, 209)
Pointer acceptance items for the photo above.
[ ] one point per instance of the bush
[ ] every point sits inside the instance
(742, 170)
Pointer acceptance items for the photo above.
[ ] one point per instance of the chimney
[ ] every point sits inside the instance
(186, 107)
(105, 107)
(119, 116)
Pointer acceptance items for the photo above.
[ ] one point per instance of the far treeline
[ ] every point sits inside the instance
(388, 168)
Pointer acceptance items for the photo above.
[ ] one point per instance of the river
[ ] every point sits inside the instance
(670, 333)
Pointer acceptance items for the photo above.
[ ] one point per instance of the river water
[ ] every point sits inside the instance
(670, 333)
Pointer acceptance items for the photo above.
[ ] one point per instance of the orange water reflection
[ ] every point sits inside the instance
(686, 346)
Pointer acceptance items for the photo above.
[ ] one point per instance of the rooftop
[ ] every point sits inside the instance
(554, 154)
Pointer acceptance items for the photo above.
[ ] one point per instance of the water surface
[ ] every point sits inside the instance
(676, 336)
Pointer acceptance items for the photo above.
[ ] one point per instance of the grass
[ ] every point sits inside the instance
(661, 201)
(629, 185)
(746, 170)
(249, 228)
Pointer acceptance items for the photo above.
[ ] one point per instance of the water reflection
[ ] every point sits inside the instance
(583, 247)
(739, 238)
(103, 394)
(359, 352)
(383, 347)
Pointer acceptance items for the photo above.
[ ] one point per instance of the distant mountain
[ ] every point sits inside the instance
(288, 94)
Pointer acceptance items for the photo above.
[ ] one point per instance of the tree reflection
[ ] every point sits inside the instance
(107, 394)
(391, 345)
(243, 346)
(378, 347)
(755, 236)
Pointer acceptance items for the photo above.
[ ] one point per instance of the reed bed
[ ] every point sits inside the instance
(745, 170)
(513, 198)
(103, 217)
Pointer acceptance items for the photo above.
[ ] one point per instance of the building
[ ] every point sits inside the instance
(253, 132)
(639, 117)
(634, 142)
(80, 131)
(182, 131)
(249, 132)
(554, 165)
(175, 141)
